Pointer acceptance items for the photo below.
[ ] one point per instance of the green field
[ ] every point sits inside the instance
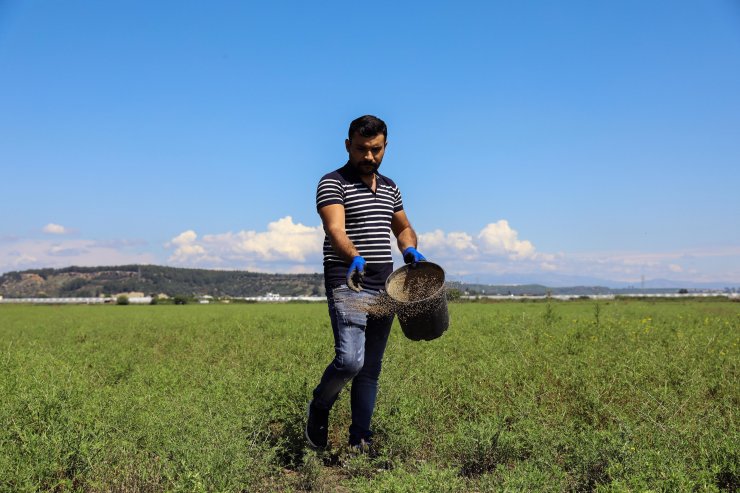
(573, 396)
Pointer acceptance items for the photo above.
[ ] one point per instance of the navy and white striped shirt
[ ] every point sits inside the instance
(367, 221)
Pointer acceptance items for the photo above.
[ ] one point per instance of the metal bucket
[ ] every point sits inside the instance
(419, 299)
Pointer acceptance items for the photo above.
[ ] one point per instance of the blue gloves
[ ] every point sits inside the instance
(356, 269)
(355, 273)
(412, 256)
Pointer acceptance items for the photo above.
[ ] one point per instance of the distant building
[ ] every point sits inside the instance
(132, 294)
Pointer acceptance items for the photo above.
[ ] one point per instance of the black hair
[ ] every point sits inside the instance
(368, 126)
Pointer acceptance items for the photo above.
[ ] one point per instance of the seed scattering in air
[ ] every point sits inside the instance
(411, 291)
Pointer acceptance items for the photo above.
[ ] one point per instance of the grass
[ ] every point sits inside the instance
(619, 396)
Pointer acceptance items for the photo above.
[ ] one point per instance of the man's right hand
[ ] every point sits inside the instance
(356, 268)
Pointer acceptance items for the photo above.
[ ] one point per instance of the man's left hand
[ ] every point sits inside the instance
(411, 256)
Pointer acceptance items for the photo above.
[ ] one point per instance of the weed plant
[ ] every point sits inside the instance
(617, 396)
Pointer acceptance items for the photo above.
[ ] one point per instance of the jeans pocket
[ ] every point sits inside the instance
(351, 306)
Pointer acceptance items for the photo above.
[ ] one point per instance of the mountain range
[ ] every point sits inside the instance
(174, 281)
(554, 280)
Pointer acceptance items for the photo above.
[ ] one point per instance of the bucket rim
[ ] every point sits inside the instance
(408, 267)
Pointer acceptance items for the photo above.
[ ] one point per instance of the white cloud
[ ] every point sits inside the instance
(29, 254)
(22, 259)
(496, 242)
(185, 238)
(285, 246)
(548, 267)
(500, 239)
(457, 244)
(283, 240)
(497, 251)
(705, 265)
(494, 252)
(55, 229)
(187, 251)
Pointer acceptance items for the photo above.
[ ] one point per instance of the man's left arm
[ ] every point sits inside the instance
(404, 233)
(406, 237)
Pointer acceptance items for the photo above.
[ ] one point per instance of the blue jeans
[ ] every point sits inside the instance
(359, 344)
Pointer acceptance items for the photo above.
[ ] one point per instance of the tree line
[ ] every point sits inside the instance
(154, 279)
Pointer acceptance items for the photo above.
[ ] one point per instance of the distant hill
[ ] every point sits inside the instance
(554, 281)
(152, 279)
(541, 290)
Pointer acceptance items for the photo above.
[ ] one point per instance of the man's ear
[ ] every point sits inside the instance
(346, 144)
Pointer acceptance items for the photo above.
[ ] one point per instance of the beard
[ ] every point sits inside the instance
(362, 166)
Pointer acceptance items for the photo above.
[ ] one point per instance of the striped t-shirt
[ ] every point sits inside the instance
(367, 221)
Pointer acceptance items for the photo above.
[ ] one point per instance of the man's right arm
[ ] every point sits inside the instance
(332, 217)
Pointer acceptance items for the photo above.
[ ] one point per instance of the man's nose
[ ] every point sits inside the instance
(369, 156)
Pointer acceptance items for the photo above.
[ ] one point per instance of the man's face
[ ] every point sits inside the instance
(365, 153)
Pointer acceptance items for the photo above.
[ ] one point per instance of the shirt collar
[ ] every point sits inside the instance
(355, 176)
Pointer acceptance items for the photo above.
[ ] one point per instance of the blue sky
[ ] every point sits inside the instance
(531, 140)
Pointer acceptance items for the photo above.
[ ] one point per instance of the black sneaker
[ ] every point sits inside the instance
(317, 426)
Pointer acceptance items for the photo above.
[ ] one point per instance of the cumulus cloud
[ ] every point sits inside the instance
(698, 265)
(495, 250)
(55, 229)
(64, 251)
(285, 246)
(185, 238)
(448, 244)
(495, 242)
(187, 250)
(283, 240)
(548, 267)
(498, 251)
(31, 253)
(16, 259)
(492, 254)
(500, 239)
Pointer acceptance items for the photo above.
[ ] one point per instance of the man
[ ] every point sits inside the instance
(359, 208)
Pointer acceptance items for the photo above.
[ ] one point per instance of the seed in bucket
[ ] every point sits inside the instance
(415, 284)
(420, 298)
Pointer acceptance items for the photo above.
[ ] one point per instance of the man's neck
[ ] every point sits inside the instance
(369, 180)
